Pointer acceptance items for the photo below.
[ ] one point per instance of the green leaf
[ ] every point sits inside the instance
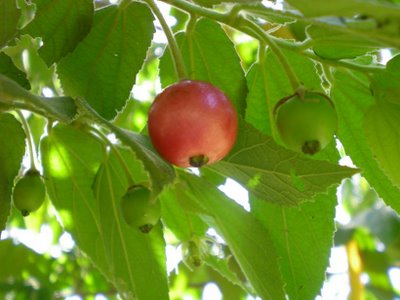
(8, 69)
(275, 174)
(222, 266)
(248, 240)
(268, 83)
(61, 24)
(87, 199)
(382, 130)
(136, 257)
(9, 17)
(335, 44)
(183, 223)
(210, 56)
(345, 8)
(303, 237)
(386, 84)
(11, 154)
(352, 97)
(102, 68)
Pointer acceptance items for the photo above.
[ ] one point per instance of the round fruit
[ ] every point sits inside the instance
(29, 192)
(306, 124)
(137, 209)
(192, 123)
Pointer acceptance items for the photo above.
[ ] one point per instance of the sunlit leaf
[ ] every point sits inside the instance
(303, 237)
(86, 186)
(249, 242)
(276, 174)
(352, 97)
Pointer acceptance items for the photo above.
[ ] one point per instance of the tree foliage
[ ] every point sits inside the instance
(76, 82)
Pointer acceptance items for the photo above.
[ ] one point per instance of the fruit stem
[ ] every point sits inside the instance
(121, 160)
(173, 46)
(263, 36)
(29, 139)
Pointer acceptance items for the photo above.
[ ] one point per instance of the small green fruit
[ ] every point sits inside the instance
(137, 209)
(306, 124)
(29, 192)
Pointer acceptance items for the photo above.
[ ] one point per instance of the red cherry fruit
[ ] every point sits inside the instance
(192, 123)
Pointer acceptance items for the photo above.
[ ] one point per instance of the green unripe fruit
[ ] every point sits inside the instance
(137, 209)
(29, 192)
(306, 124)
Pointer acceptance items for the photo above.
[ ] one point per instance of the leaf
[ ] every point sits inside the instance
(334, 43)
(303, 237)
(8, 69)
(352, 98)
(386, 84)
(183, 223)
(102, 68)
(222, 267)
(249, 242)
(136, 257)
(61, 24)
(382, 130)
(206, 49)
(275, 174)
(87, 199)
(9, 16)
(11, 154)
(267, 82)
(345, 8)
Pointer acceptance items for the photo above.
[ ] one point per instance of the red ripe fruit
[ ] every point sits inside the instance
(192, 123)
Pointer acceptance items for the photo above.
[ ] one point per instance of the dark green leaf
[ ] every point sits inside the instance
(9, 17)
(352, 97)
(210, 56)
(276, 174)
(249, 242)
(303, 237)
(61, 24)
(102, 68)
(8, 69)
(11, 154)
(88, 203)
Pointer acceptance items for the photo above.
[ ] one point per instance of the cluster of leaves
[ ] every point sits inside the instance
(89, 55)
